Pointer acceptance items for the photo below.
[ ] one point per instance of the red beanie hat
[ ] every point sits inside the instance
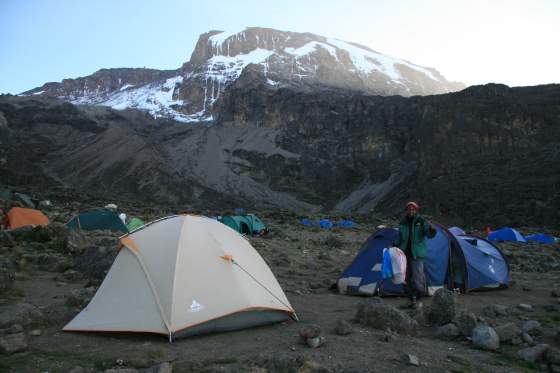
(413, 204)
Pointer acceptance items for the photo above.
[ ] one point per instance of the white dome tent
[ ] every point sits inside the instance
(185, 275)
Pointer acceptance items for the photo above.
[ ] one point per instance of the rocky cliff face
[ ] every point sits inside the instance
(300, 61)
(485, 155)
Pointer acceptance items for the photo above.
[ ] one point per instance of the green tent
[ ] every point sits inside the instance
(134, 223)
(24, 199)
(97, 219)
(245, 224)
(6, 193)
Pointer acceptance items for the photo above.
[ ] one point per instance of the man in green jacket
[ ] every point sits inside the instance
(413, 231)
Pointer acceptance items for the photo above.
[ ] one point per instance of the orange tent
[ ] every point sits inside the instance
(20, 217)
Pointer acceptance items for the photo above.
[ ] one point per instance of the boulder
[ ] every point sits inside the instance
(376, 314)
(525, 307)
(532, 327)
(443, 309)
(12, 343)
(94, 262)
(485, 337)
(533, 354)
(448, 331)
(507, 332)
(343, 327)
(466, 322)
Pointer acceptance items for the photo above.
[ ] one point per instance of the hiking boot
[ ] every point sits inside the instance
(413, 304)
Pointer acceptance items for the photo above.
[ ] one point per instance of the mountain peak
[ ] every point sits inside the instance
(283, 59)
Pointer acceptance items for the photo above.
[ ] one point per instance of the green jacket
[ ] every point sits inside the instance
(420, 230)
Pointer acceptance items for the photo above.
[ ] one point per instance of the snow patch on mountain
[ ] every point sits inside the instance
(225, 68)
(156, 98)
(311, 47)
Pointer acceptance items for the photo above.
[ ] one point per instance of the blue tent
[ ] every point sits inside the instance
(347, 224)
(457, 231)
(540, 237)
(326, 223)
(506, 234)
(464, 262)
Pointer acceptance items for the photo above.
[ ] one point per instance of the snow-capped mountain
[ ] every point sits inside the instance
(283, 59)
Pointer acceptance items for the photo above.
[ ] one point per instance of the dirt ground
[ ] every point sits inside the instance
(306, 261)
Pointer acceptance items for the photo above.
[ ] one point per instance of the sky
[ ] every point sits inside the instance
(514, 42)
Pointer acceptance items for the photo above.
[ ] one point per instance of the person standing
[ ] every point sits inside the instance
(413, 231)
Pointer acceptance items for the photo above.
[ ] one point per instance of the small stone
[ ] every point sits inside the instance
(527, 338)
(72, 275)
(315, 342)
(35, 333)
(532, 327)
(12, 343)
(409, 359)
(525, 307)
(532, 354)
(343, 327)
(376, 314)
(485, 337)
(309, 331)
(526, 288)
(162, 368)
(555, 293)
(516, 341)
(388, 337)
(448, 332)
(16, 328)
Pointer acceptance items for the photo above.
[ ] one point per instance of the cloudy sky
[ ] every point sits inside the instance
(505, 41)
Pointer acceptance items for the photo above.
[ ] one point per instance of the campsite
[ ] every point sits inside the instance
(56, 272)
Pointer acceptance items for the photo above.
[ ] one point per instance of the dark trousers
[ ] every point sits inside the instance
(415, 285)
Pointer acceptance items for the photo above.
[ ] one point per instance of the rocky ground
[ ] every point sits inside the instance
(47, 275)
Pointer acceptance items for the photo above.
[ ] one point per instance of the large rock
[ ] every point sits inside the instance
(21, 313)
(442, 310)
(448, 331)
(11, 343)
(378, 315)
(343, 327)
(508, 332)
(485, 337)
(94, 262)
(533, 354)
(466, 322)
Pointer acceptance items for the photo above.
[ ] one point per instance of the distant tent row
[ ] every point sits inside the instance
(244, 224)
(453, 261)
(508, 234)
(328, 224)
(103, 219)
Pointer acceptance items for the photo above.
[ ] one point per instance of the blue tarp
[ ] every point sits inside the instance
(476, 263)
(540, 237)
(306, 222)
(506, 234)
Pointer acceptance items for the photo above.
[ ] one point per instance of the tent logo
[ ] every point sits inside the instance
(195, 306)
